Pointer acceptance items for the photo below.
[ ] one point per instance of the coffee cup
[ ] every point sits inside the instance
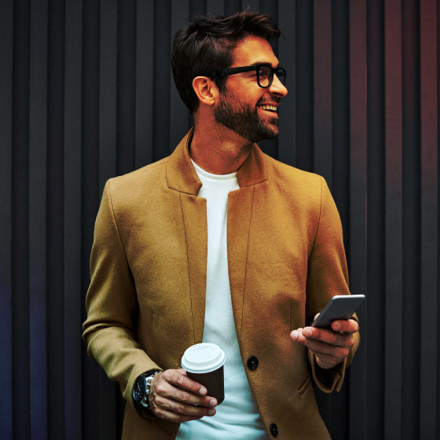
(204, 363)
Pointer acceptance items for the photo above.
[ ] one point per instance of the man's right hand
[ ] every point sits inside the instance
(177, 398)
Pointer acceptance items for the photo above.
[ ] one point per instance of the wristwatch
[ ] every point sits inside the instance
(141, 389)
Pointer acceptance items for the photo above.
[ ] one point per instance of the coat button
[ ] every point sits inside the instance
(252, 363)
(274, 429)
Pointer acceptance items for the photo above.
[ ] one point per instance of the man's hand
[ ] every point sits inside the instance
(177, 398)
(330, 347)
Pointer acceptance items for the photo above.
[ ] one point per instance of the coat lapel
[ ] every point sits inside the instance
(182, 177)
(196, 235)
(240, 204)
(239, 220)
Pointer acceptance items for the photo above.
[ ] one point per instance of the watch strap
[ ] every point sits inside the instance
(148, 378)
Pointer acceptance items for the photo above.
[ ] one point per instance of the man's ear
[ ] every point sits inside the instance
(205, 89)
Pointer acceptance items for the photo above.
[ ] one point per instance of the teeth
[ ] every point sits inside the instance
(269, 107)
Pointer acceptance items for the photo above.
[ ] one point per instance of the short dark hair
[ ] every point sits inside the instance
(206, 44)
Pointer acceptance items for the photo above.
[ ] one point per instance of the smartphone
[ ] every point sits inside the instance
(339, 307)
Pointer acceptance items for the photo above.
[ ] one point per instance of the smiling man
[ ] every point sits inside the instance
(220, 243)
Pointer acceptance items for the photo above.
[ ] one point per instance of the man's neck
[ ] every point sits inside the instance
(218, 150)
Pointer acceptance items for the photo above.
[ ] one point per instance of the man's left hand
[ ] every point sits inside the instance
(330, 346)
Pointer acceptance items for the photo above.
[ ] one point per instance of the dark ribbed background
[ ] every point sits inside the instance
(86, 94)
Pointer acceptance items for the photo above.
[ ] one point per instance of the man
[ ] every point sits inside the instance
(220, 243)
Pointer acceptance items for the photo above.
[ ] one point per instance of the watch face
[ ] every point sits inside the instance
(139, 389)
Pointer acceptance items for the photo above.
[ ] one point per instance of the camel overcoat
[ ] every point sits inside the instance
(146, 300)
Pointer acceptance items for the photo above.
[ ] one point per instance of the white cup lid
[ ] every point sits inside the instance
(203, 358)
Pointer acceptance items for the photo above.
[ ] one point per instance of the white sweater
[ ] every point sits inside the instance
(237, 418)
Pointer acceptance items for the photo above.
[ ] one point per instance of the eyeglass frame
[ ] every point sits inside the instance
(233, 70)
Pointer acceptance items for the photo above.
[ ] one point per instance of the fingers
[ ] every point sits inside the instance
(177, 398)
(341, 333)
(322, 339)
(330, 347)
(325, 343)
(179, 378)
(345, 326)
(330, 337)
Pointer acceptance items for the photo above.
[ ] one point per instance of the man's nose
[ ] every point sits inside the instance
(277, 87)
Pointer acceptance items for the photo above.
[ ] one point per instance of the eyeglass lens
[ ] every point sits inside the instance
(266, 73)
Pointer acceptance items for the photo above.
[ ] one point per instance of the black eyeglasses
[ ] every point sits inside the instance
(265, 73)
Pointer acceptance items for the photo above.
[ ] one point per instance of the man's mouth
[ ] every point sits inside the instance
(268, 107)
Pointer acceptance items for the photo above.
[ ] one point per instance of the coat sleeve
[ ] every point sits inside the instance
(111, 305)
(327, 276)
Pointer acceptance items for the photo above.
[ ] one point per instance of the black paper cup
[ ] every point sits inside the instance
(204, 363)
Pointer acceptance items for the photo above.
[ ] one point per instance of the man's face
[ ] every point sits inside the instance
(245, 107)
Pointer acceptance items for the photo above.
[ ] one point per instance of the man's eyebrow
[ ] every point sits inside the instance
(265, 63)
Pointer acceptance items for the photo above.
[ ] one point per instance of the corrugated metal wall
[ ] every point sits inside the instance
(86, 93)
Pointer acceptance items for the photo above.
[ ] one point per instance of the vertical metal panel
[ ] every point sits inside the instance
(215, 7)
(91, 171)
(162, 75)
(429, 260)
(321, 147)
(87, 93)
(340, 105)
(411, 178)
(304, 85)
(393, 218)
(6, 242)
(231, 6)
(287, 57)
(108, 78)
(73, 303)
(37, 219)
(20, 222)
(197, 7)
(270, 146)
(373, 329)
(126, 85)
(322, 89)
(55, 219)
(180, 120)
(144, 82)
(254, 4)
(358, 203)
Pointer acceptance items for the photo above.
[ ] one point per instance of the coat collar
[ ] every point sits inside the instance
(182, 176)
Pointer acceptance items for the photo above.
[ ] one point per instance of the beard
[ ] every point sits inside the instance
(244, 119)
